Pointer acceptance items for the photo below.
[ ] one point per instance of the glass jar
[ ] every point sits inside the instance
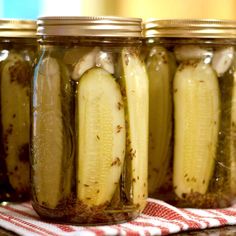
(89, 136)
(17, 53)
(191, 66)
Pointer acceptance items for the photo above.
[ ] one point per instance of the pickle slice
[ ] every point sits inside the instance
(15, 84)
(48, 136)
(101, 139)
(135, 83)
(197, 110)
(160, 120)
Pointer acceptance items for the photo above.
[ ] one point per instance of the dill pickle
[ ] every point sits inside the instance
(51, 141)
(197, 106)
(101, 138)
(135, 88)
(15, 86)
(160, 116)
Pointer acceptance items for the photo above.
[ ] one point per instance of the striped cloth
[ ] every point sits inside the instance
(158, 218)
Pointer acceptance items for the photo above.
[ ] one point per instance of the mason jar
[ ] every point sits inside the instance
(191, 66)
(17, 53)
(89, 133)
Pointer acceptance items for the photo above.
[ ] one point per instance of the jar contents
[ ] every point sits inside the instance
(89, 134)
(194, 165)
(15, 74)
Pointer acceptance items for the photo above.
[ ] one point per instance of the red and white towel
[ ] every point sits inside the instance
(158, 218)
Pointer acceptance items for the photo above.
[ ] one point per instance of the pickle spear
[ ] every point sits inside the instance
(15, 85)
(233, 133)
(135, 85)
(197, 110)
(160, 120)
(48, 135)
(101, 139)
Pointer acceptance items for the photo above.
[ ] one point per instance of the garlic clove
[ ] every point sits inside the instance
(188, 52)
(105, 61)
(222, 60)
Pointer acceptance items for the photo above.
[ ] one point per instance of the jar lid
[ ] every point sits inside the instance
(104, 26)
(17, 28)
(190, 28)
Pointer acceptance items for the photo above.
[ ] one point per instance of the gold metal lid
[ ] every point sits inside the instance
(192, 28)
(104, 26)
(17, 28)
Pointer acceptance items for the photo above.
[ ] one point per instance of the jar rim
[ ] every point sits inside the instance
(190, 28)
(17, 28)
(96, 26)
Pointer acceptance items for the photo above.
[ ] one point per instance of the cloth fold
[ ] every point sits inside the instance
(158, 218)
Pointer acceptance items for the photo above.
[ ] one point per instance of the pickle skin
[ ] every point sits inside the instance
(197, 112)
(101, 139)
(68, 101)
(135, 83)
(15, 81)
(47, 134)
(233, 134)
(160, 116)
